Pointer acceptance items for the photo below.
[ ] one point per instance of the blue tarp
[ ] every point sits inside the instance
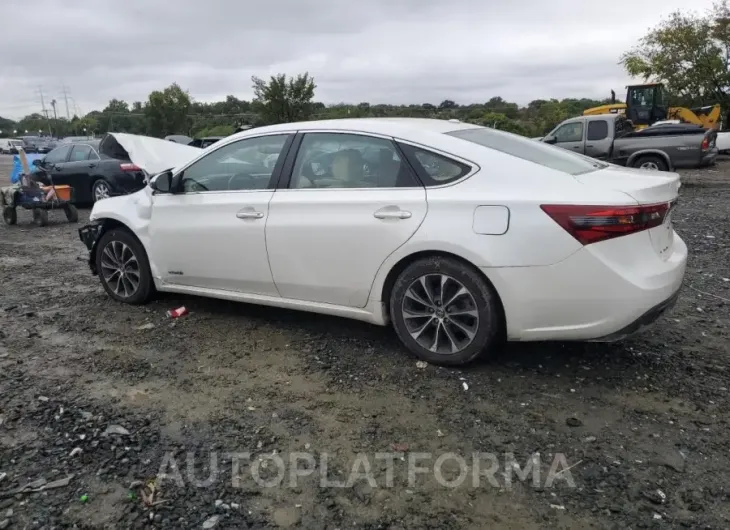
(18, 167)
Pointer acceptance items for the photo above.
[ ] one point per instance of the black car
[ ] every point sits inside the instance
(93, 173)
(205, 142)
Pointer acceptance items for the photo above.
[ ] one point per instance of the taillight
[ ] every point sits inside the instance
(590, 224)
(705, 144)
(129, 167)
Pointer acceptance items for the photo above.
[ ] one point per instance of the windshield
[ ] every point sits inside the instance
(531, 150)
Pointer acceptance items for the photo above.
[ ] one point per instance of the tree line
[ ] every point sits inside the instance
(689, 52)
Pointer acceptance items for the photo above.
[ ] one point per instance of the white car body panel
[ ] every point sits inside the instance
(326, 245)
(322, 250)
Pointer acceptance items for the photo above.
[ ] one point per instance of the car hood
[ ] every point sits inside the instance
(151, 154)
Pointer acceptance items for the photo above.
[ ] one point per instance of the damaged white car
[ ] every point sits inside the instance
(459, 235)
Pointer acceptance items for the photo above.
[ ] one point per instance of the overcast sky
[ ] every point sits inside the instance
(381, 51)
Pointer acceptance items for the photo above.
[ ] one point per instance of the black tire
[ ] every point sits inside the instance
(40, 217)
(481, 298)
(145, 287)
(10, 215)
(72, 214)
(657, 162)
(98, 188)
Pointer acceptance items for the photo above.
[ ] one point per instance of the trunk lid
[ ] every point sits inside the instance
(645, 187)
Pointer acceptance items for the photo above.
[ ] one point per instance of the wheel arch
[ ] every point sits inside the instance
(650, 152)
(405, 261)
(107, 224)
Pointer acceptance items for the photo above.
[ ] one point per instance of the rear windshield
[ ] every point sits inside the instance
(532, 150)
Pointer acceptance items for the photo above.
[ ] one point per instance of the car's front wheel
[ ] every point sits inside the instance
(444, 311)
(123, 268)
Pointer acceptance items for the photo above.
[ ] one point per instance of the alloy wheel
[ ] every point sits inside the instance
(440, 313)
(120, 269)
(651, 166)
(101, 191)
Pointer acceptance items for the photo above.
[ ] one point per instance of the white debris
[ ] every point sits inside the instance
(557, 506)
(657, 517)
(421, 364)
(116, 429)
(211, 522)
(42, 398)
(76, 451)
(466, 387)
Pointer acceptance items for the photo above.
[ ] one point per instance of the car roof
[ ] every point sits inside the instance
(385, 126)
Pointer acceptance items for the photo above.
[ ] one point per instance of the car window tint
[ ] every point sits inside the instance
(531, 150)
(79, 153)
(569, 132)
(243, 165)
(597, 130)
(334, 160)
(58, 155)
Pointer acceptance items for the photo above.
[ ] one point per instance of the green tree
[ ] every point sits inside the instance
(690, 53)
(167, 111)
(282, 100)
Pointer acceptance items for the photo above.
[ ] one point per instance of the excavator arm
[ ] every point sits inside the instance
(708, 117)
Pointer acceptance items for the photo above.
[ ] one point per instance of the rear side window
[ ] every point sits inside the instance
(79, 153)
(597, 130)
(534, 151)
(432, 168)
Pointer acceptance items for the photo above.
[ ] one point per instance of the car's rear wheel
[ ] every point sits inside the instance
(123, 268)
(100, 190)
(651, 163)
(444, 311)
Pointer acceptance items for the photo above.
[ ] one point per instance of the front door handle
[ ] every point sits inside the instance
(392, 213)
(249, 214)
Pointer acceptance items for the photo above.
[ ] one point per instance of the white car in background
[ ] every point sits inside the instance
(458, 235)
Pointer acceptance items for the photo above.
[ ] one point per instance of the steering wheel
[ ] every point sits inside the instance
(239, 176)
(191, 185)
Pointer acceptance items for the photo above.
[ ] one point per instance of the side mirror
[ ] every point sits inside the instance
(549, 139)
(37, 162)
(162, 182)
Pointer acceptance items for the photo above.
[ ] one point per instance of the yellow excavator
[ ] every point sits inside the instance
(649, 103)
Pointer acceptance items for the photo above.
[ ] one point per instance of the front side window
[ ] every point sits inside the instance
(243, 165)
(58, 155)
(334, 160)
(80, 153)
(569, 132)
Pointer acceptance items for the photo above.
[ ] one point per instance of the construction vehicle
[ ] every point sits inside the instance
(649, 103)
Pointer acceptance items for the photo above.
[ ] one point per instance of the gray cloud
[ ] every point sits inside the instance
(395, 51)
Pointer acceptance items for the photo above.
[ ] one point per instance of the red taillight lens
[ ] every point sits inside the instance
(129, 167)
(705, 144)
(590, 224)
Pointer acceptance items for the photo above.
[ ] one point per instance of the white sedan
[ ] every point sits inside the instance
(457, 235)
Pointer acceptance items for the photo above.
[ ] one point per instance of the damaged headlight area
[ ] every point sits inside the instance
(89, 235)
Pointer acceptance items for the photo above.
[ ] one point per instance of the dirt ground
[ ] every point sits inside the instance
(101, 396)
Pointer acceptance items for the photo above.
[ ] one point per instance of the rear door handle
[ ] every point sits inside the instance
(589, 145)
(249, 213)
(392, 212)
(92, 165)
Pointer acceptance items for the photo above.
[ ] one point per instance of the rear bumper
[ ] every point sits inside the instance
(643, 321)
(709, 157)
(599, 293)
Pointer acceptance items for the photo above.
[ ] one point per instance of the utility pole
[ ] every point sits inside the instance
(65, 97)
(45, 111)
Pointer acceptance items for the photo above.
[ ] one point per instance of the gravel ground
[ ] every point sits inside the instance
(97, 397)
